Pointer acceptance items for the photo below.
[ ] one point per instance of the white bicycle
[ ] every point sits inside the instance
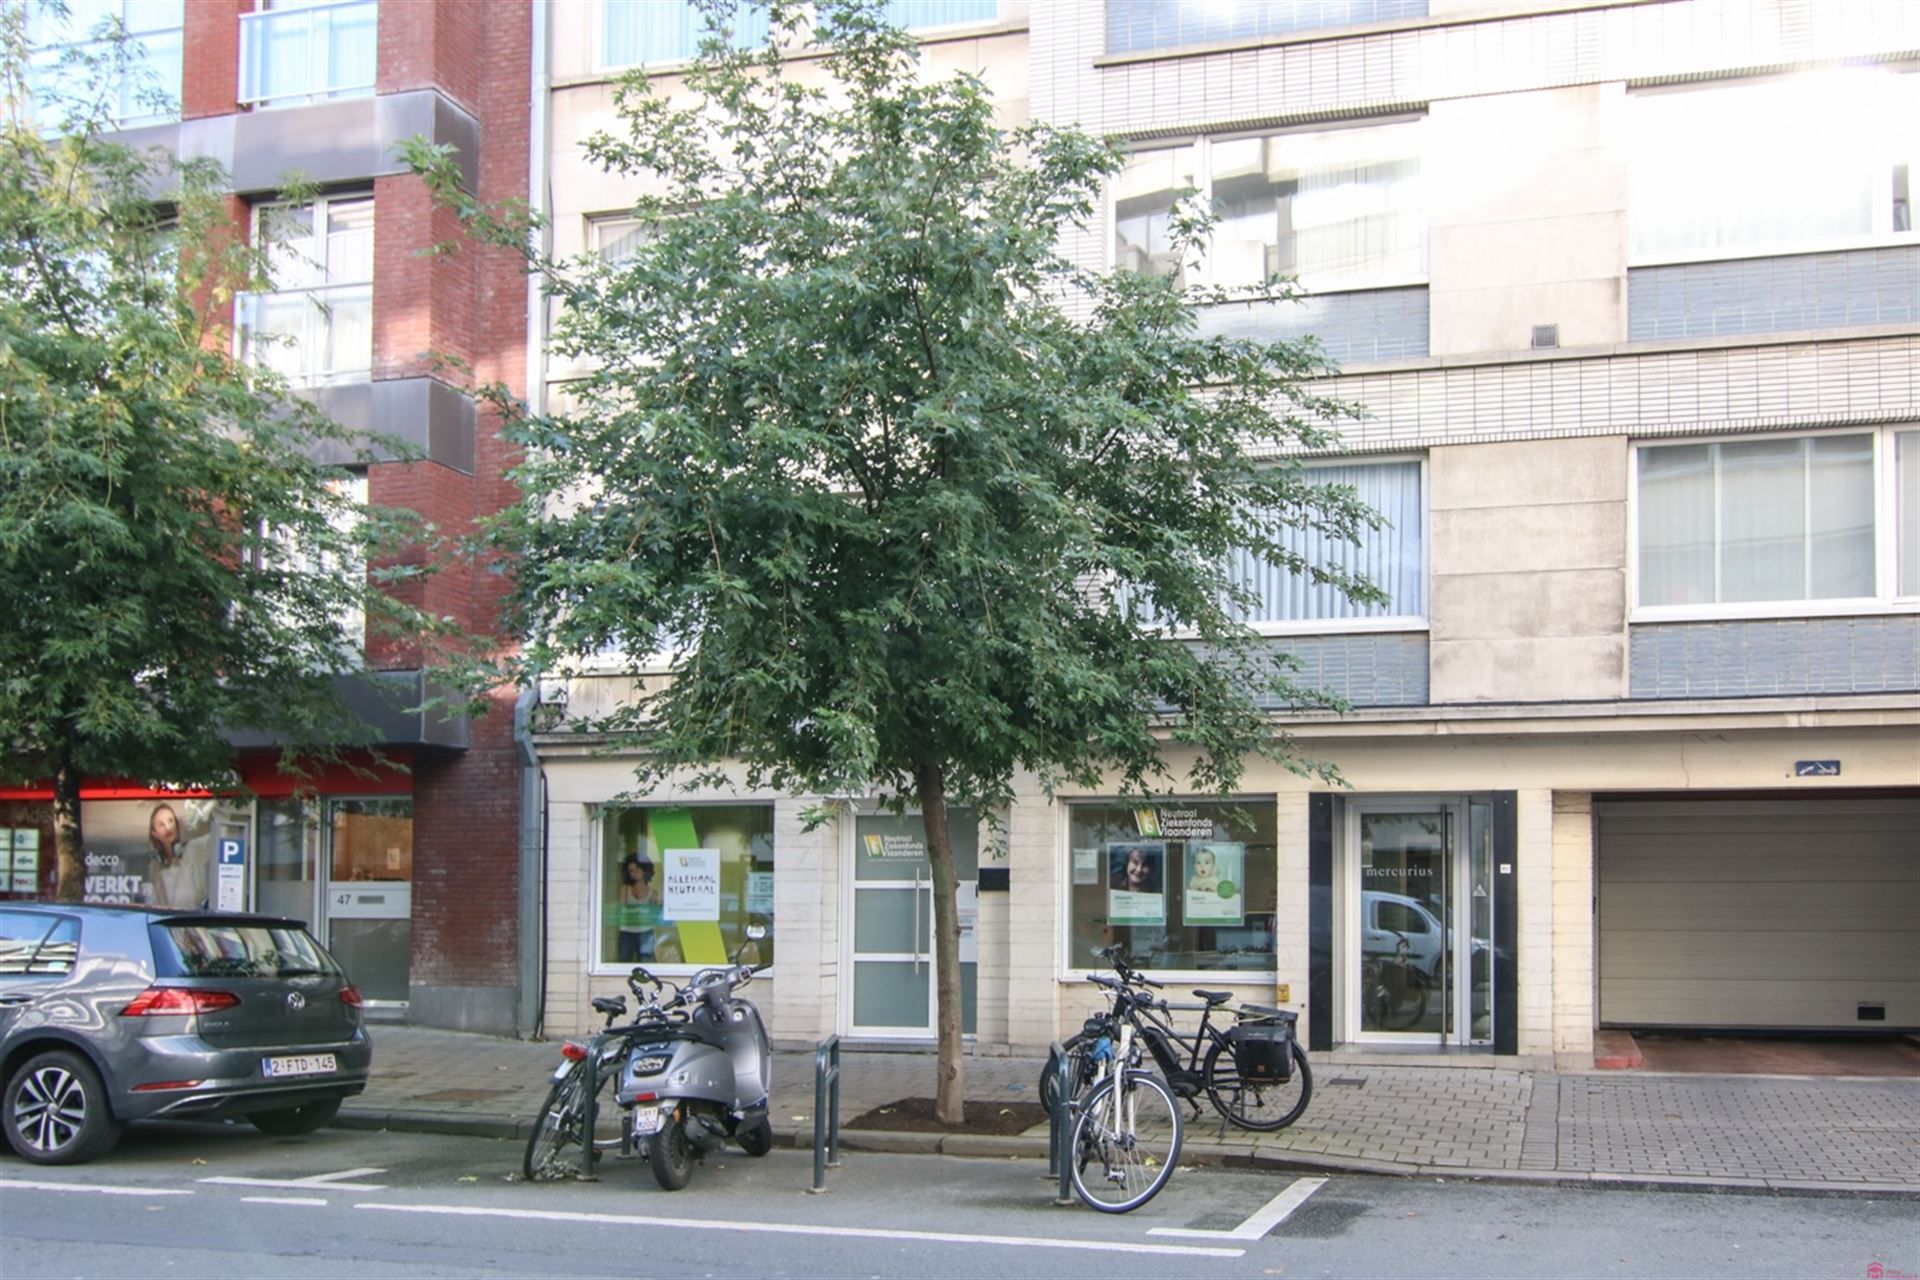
(1126, 1136)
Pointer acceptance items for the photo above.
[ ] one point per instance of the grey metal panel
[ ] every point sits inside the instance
(350, 140)
(1764, 913)
(1375, 324)
(1368, 669)
(1772, 657)
(421, 413)
(1774, 295)
(390, 704)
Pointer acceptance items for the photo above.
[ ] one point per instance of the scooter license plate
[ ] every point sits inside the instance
(646, 1121)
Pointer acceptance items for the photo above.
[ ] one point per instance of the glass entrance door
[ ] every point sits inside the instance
(369, 895)
(1420, 919)
(893, 990)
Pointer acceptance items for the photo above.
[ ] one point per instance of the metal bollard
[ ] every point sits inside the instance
(590, 1108)
(826, 1111)
(1060, 1122)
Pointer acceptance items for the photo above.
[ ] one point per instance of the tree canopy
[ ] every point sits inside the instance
(910, 501)
(174, 566)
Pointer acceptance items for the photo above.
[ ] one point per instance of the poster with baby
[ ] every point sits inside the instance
(1215, 891)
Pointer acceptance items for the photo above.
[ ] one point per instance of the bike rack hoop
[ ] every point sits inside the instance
(826, 1111)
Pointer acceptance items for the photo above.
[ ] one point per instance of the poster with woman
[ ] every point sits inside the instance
(1136, 882)
(1213, 893)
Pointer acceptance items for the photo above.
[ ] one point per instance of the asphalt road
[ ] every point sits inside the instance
(205, 1201)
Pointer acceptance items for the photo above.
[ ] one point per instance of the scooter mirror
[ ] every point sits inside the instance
(756, 931)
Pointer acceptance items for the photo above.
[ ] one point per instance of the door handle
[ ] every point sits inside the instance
(916, 920)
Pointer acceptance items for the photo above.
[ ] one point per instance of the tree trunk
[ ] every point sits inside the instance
(68, 856)
(950, 1097)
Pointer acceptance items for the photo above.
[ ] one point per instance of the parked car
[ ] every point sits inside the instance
(115, 1014)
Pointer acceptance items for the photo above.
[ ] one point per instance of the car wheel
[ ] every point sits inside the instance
(290, 1122)
(55, 1110)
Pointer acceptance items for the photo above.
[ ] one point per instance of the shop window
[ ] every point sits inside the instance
(1723, 526)
(1186, 886)
(683, 884)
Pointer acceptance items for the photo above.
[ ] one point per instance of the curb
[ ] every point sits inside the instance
(1198, 1154)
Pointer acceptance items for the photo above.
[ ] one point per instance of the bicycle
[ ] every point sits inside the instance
(1127, 1130)
(1271, 1092)
(559, 1126)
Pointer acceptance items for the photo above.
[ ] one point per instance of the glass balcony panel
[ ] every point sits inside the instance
(291, 55)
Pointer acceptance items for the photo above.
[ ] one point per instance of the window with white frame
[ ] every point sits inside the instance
(914, 15)
(1134, 25)
(316, 326)
(634, 33)
(1820, 159)
(299, 51)
(685, 885)
(1729, 525)
(78, 46)
(1392, 557)
(1337, 209)
(614, 238)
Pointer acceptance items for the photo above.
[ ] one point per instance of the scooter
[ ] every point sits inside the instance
(702, 1079)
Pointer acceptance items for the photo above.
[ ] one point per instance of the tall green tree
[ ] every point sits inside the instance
(916, 502)
(173, 566)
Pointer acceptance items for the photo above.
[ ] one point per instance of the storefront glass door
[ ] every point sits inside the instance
(891, 961)
(1420, 916)
(369, 894)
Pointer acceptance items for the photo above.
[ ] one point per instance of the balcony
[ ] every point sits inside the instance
(312, 53)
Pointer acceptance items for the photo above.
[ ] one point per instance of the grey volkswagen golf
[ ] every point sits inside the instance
(113, 1014)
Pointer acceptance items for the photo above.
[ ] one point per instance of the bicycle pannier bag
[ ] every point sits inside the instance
(1263, 1051)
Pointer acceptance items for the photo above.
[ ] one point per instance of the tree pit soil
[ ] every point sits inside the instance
(915, 1115)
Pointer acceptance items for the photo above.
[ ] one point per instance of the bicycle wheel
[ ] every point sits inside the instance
(1121, 1161)
(556, 1132)
(1262, 1107)
(1079, 1070)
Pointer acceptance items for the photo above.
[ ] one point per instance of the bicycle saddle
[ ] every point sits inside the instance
(1213, 997)
(610, 1004)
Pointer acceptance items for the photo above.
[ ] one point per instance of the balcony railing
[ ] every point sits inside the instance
(310, 54)
(309, 336)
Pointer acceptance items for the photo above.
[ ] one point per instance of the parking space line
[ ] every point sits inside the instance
(796, 1229)
(26, 1184)
(1266, 1218)
(301, 1200)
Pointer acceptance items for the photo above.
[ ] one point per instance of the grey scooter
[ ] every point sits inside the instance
(703, 1080)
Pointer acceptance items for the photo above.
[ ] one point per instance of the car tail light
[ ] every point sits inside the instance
(350, 995)
(157, 1001)
(573, 1052)
(161, 1085)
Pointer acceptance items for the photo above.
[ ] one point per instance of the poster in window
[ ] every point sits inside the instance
(1216, 878)
(1136, 882)
(692, 889)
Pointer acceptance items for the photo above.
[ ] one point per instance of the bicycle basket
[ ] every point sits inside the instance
(1263, 1051)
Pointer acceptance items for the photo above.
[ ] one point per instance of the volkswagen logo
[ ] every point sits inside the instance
(296, 1001)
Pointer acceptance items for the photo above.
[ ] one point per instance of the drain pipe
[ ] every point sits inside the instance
(531, 1017)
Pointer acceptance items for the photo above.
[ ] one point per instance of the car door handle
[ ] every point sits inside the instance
(8, 1000)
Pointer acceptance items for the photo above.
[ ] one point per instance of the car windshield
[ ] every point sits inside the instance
(260, 950)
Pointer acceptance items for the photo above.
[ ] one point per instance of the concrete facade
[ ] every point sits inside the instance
(1528, 412)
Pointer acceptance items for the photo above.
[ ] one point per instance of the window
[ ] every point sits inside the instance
(917, 14)
(615, 238)
(236, 951)
(1777, 520)
(66, 50)
(636, 32)
(1162, 24)
(1818, 159)
(40, 944)
(1392, 557)
(317, 324)
(682, 885)
(299, 51)
(1187, 885)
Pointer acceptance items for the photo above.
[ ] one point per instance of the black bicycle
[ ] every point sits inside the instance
(1252, 1070)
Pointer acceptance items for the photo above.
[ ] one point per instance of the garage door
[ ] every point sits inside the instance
(1759, 913)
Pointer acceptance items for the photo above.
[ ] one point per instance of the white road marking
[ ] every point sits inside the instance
(1269, 1216)
(307, 1200)
(775, 1228)
(28, 1185)
(328, 1181)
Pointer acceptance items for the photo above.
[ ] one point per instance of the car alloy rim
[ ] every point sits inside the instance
(50, 1108)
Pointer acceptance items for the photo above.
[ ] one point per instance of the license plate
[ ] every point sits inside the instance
(304, 1064)
(646, 1121)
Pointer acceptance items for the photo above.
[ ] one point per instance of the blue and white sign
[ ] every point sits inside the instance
(230, 893)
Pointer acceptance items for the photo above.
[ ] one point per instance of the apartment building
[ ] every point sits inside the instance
(1631, 295)
(413, 875)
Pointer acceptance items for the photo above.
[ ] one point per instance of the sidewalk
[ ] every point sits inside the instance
(1749, 1133)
